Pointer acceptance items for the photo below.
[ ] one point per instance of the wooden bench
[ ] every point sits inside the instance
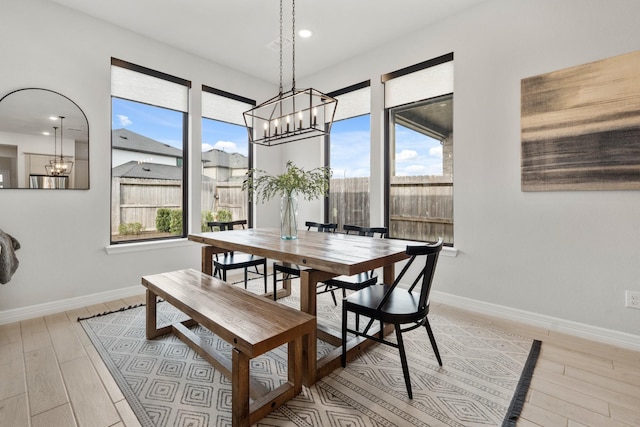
(253, 325)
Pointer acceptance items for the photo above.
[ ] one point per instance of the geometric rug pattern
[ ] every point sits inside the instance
(168, 384)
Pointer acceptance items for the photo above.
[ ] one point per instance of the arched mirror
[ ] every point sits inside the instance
(44, 141)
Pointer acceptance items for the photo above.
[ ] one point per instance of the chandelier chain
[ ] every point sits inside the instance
(281, 40)
(293, 45)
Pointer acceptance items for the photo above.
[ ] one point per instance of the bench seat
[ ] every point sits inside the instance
(252, 324)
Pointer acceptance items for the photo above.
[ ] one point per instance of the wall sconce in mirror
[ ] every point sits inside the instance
(29, 156)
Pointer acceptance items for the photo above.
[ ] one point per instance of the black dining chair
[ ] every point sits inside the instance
(395, 305)
(356, 281)
(293, 271)
(234, 260)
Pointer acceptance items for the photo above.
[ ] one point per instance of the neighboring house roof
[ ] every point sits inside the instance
(124, 139)
(135, 169)
(217, 158)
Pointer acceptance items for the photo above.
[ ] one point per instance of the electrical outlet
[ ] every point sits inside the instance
(632, 299)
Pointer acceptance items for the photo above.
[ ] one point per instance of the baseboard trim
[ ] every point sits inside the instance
(24, 313)
(593, 333)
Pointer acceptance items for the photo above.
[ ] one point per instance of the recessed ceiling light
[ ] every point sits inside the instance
(305, 34)
(53, 118)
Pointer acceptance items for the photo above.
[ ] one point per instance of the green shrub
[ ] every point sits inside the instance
(223, 215)
(163, 220)
(175, 226)
(207, 216)
(130, 228)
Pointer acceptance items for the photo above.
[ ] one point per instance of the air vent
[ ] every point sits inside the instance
(275, 44)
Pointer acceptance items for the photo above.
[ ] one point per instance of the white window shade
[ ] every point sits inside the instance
(353, 104)
(417, 86)
(223, 108)
(134, 86)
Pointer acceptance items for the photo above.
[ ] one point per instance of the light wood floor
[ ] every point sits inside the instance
(50, 375)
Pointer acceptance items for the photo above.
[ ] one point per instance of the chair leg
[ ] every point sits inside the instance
(224, 274)
(344, 334)
(403, 360)
(275, 284)
(333, 297)
(264, 270)
(433, 341)
(246, 276)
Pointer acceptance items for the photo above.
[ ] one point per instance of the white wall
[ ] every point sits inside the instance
(567, 255)
(64, 233)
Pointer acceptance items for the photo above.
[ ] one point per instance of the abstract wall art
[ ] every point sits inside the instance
(580, 127)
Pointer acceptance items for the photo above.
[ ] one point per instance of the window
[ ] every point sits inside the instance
(226, 157)
(149, 113)
(419, 160)
(349, 157)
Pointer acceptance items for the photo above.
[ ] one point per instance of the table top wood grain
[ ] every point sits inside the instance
(329, 252)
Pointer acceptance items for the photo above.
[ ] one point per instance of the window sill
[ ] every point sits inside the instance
(449, 251)
(145, 246)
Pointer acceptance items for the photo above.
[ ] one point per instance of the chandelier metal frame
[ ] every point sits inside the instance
(293, 115)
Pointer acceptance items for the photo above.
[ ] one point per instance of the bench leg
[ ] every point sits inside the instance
(239, 389)
(151, 326)
(295, 365)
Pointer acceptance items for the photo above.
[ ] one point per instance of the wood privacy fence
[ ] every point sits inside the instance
(421, 208)
(349, 202)
(226, 195)
(138, 200)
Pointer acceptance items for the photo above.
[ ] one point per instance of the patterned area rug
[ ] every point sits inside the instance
(168, 384)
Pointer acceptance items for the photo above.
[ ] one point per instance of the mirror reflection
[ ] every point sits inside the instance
(44, 141)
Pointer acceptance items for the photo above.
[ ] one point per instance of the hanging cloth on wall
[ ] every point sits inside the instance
(8, 260)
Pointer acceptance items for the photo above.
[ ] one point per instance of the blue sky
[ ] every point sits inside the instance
(416, 154)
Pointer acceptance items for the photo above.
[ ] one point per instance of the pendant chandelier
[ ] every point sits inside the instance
(294, 115)
(58, 166)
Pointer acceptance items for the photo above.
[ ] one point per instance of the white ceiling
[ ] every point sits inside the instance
(236, 33)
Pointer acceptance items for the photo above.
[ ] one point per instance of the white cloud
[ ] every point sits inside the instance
(206, 147)
(436, 152)
(124, 120)
(406, 155)
(415, 170)
(226, 146)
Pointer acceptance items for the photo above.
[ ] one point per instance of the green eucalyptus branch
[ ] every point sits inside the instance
(310, 184)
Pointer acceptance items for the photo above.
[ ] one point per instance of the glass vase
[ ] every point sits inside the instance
(289, 217)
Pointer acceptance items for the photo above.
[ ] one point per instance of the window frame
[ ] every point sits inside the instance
(250, 149)
(185, 149)
(449, 57)
(327, 138)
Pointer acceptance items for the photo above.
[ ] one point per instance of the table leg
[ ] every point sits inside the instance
(207, 260)
(308, 281)
(151, 327)
(388, 273)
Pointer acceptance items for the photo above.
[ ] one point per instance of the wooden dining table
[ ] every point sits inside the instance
(321, 256)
